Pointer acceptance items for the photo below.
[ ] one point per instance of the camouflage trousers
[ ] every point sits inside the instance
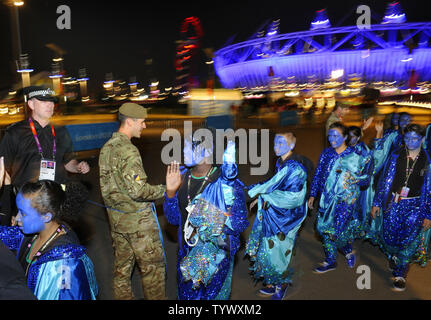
(144, 248)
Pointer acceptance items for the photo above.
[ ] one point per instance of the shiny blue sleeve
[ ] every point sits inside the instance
(427, 190)
(238, 218)
(11, 237)
(381, 150)
(172, 210)
(385, 182)
(427, 142)
(368, 171)
(318, 179)
(368, 168)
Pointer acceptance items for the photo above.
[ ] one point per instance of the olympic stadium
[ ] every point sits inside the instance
(393, 56)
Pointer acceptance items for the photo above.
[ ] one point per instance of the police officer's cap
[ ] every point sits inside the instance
(40, 93)
(133, 110)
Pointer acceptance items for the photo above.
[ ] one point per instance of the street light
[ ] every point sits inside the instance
(17, 4)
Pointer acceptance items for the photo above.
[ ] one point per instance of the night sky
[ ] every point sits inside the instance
(119, 36)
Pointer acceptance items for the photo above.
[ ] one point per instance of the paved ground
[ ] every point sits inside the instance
(338, 284)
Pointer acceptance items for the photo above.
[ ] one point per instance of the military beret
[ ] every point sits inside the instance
(133, 110)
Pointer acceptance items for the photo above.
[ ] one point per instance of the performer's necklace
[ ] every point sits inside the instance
(44, 246)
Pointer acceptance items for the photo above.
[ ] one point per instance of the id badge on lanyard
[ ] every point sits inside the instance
(47, 166)
(47, 170)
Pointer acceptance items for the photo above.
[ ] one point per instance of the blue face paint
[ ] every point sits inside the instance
(335, 138)
(281, 147)
(28, 218)
(412, 140)
(405, 120)
(353, 139)
(193, 154)
(395, 119)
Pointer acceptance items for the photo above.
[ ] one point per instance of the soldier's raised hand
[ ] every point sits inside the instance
(173, 179)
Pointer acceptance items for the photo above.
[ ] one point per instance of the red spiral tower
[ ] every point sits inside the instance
(187, 47)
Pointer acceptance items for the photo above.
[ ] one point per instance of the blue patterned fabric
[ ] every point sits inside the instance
(204, 272)
(11, 236)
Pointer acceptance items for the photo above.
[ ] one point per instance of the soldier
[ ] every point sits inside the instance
(134, 226)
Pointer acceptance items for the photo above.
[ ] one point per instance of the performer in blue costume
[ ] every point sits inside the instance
(57, 266)
(389, 140)
(395, 120)
(366, 195)
(340, 174)
(281, 210)
(403, 198)
(208, 205)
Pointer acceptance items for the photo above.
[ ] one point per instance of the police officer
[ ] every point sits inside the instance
(134, 226)
(29, 145)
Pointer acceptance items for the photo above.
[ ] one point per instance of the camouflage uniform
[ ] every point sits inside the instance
(134, 226)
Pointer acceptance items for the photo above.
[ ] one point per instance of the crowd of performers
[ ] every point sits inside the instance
(381, 193)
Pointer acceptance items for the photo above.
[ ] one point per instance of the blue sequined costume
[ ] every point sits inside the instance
(63, 272)
(338, 179)
(204, 271)
(401, 235)
(281, 211)
(366, 195)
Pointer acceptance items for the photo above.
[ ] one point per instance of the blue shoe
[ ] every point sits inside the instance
(351, 259)
(280, 292)
(325, 267)
(268, 291)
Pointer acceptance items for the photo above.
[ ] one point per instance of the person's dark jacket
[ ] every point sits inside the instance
(13, 284)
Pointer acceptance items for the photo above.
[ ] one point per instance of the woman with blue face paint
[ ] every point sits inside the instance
(403, 198)
(281, 210)
(340, 174)
(366, 195)
(395, 118)
(207, 203)
(55, 264)
(389, 141)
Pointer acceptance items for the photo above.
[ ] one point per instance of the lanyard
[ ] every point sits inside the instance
(39, 147)
(39, 252)
(409, 170)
